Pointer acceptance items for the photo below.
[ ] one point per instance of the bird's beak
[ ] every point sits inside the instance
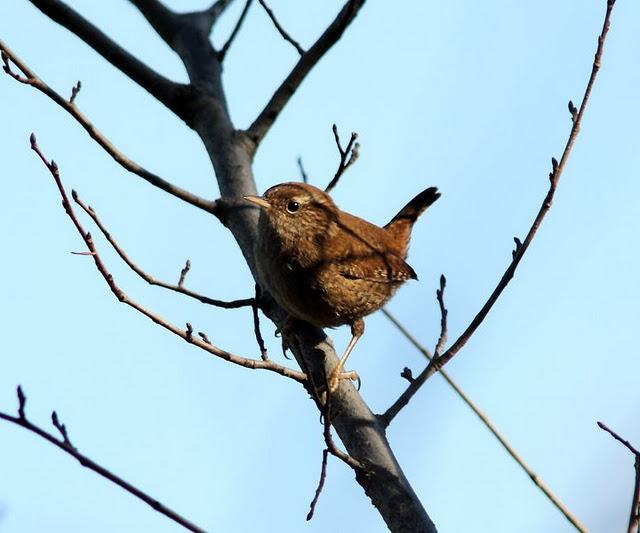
(258, 200)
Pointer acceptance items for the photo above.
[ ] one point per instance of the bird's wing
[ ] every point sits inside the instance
(376, 267)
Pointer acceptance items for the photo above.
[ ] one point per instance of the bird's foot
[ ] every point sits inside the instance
(337, 375)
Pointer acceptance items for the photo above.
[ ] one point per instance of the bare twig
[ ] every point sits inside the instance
(233, 304)
(443, 318)
(30, 78)
(303, 172)
(388, 416)
(634, 515)
(348, 156)
(281, 30)
(288, 87)
(65, 445)
(74, 91)
(225, 48)
(323, 477)
(554, 177)
(256, 324)
(124, 298)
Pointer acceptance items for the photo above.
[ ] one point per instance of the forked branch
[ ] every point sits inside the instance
(348, 156)
(65, 445)
(202, 343)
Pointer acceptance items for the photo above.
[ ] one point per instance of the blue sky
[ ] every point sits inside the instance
(468, 96)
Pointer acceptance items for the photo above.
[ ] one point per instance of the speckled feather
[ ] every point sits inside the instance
(326, 266)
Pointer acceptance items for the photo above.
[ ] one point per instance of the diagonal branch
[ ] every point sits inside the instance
(202, 343)
(236, 29)
(288, 87)
(488, 423)
(65, 445)
(234, 304)
(165, 90)
(634, 515)
(281, 30)
(521, 247)
(348, 156)
(31, 78)
(162, 19)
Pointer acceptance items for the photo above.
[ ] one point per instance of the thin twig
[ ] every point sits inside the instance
(256, 325)
(303, 172)
(233, 304)
(124, 298)
(554, 177)
(348, 156)
(65, 445)
(281, 30)
(305, 64)
(74, 91)
(225, 48)
(443, 318)
(634, 514)
(323, 477)
(30, 78)
(388, 416)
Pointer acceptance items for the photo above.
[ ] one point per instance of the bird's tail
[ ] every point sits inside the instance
(399, 227)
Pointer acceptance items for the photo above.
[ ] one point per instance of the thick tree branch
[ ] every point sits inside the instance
(521, 247)
(162, 19)
(165, 90)
(65, 445)
(31, 78)
(288, 87)
(187, 334)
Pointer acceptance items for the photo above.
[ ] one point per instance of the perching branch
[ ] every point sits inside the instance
(348, 156)
(30, 78)
(124, 298)
(65, 445)
(388, 416)
(281, 30)
(288, 87)
(521, 247)
(634, 515)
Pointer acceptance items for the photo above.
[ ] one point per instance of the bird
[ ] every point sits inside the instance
(326, 266)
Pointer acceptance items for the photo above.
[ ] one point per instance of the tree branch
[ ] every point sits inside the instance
(225, 48)
(288, 87)
(32, 79)
(488, 423)
(234, 304)
(348, 156)
(521, 247)
(161, 18)
(187, 334)
(165, 90)
(281, 30)
(66, 446)
(634, 515)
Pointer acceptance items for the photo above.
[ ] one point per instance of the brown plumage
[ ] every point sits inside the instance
(326, 266)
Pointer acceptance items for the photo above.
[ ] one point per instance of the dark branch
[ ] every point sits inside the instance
(288, 87)
(622, 441)
(30, 78)
(225, 48)
(303, 172)
(348, 156)
(65, 445)
(162, 19)
(124, 298)
(281, 30)
(554, 177)
(160, 87)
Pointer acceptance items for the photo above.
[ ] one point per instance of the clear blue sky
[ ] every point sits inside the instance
(468, 96)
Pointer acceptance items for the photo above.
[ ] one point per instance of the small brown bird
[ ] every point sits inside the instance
(326, 266)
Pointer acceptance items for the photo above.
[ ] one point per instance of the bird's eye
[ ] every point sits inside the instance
(292, 207)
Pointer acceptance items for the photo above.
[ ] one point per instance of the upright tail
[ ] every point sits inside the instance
(399, 227)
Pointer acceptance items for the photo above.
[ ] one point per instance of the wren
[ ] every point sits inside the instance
(326, 266)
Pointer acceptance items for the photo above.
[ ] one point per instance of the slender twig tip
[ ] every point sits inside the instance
(32, 140)
(22, 400)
